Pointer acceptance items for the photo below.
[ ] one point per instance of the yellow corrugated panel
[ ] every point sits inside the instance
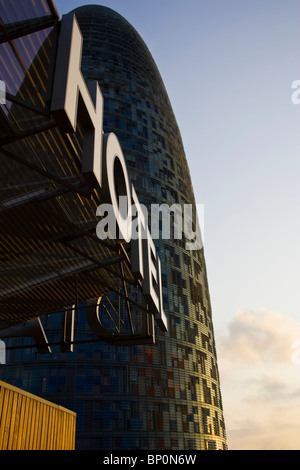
(28, 422)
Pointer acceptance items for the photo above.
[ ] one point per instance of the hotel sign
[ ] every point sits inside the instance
(104, 170)
(103, 163)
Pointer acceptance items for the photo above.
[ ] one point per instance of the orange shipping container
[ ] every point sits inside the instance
(28, 422)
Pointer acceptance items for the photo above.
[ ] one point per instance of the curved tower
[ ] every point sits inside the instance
(153, 397)
(174, 399)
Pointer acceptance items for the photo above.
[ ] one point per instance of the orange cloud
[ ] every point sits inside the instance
(260, 381)
(259, 335)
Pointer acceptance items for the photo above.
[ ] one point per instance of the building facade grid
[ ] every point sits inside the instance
(167, 395)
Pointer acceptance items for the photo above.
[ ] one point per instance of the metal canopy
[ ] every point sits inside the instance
(50, 257)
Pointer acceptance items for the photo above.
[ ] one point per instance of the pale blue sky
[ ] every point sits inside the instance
(228, 66)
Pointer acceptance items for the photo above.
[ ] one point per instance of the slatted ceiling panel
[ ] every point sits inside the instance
(57, 162)
(53, 296)
(29, 245)
(46, 222)
(40, 230)
(20, 279)
(55, 259)
(69, 144)
(33, 46)
(27, 277)
(14, 62)
(31, 84)
(60, 153)
(90, 248)
(17, 180)
(11, 12)
(45, 239)
(29, 180)
(31, 150)
(80, 212)
(13, 75)
(37, 225)
(47, 150)
(22, 189)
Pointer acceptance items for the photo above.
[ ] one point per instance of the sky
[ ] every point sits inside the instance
(228, 66)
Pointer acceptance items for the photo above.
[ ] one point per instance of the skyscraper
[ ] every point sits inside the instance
(166, 395)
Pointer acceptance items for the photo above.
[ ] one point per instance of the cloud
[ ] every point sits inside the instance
(260, 380)
(267, 389)
(276, 430)
(259, 335)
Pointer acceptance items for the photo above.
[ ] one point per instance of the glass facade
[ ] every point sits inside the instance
(161, 396)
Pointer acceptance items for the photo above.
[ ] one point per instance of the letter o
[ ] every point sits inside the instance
(116, 185)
